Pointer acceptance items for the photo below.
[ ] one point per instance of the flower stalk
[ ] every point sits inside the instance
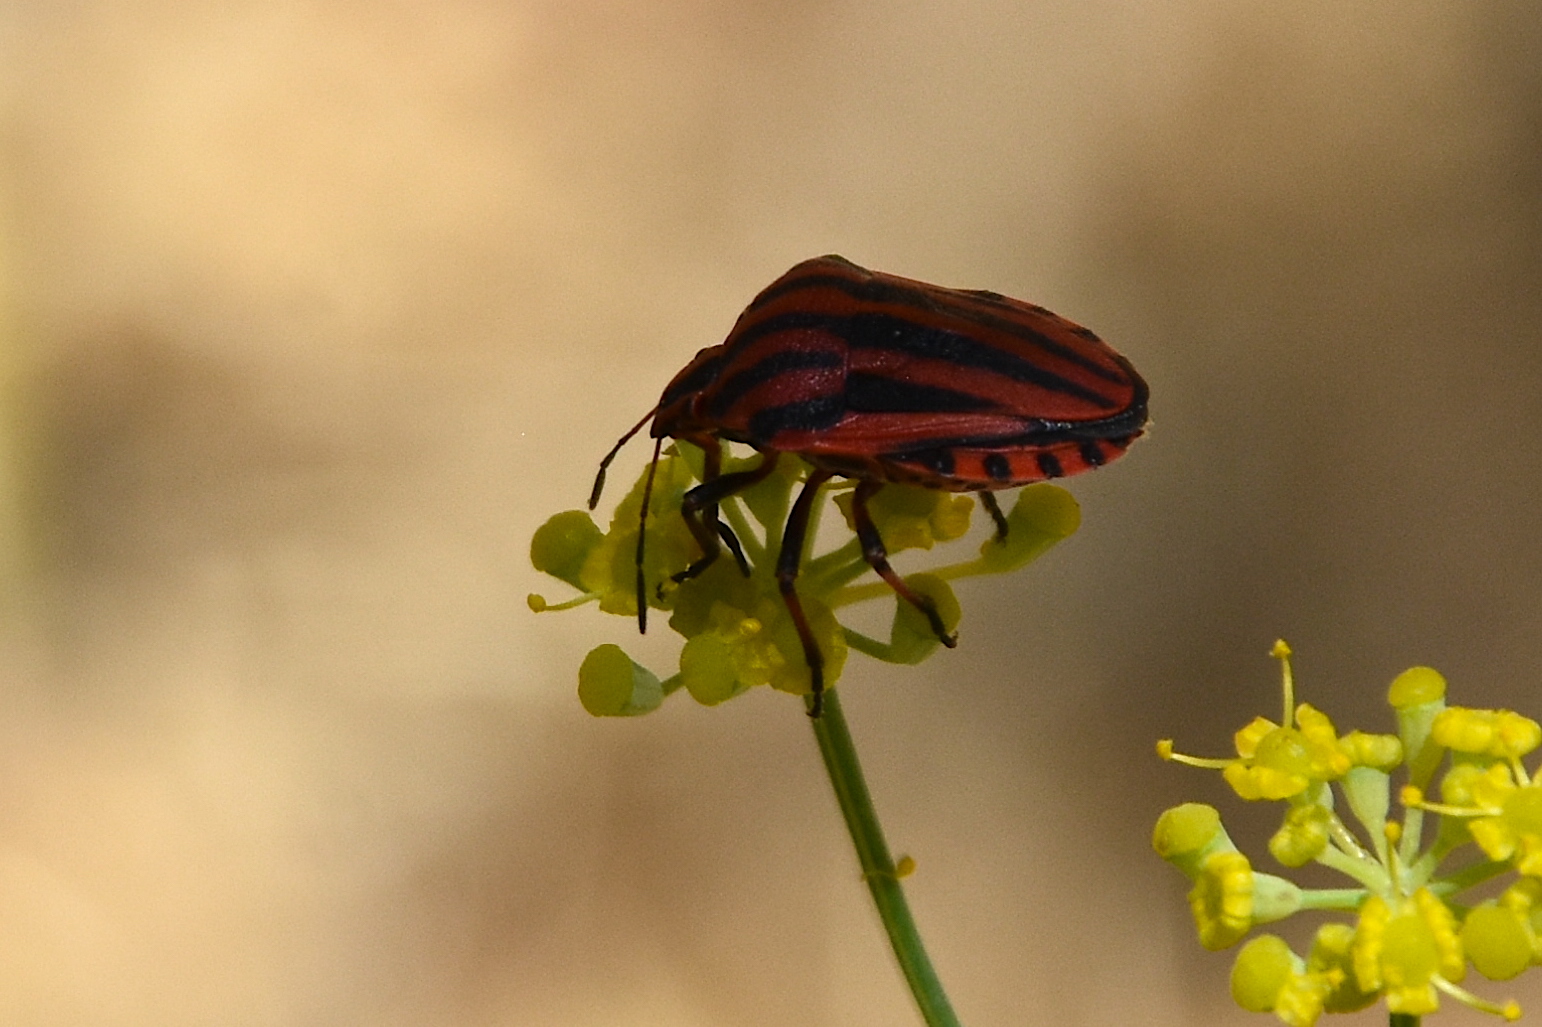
(878, 866)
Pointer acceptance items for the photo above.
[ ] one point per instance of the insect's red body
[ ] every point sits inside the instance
(872, 376)
(884, 379)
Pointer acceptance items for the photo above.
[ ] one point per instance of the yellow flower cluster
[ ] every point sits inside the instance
(737, 630)
(1409, 940)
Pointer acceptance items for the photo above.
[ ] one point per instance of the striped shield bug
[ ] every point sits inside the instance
(883, 379)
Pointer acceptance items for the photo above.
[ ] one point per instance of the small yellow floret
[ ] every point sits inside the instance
(1222, 900)
(1365, 953)
(1379, 752)
(1441, 922)
(1248, 738)
(1500, 734)
(1303, 836)
(1331, 959)
(1516, 832)
(1402, 952)
(1300, 1002)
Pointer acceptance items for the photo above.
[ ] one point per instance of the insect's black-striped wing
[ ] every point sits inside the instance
(884, 377)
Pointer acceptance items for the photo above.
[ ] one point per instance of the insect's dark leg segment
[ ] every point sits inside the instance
(787, 563)
(731, 540)
(699, 508)
(878, 558)
(988, 500)
(642, 531)
(713, 453)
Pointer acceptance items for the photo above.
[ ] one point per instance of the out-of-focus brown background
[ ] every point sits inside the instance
(314, 310)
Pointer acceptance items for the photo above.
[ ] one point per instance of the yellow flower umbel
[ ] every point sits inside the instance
(1408, 940)
(736, 627)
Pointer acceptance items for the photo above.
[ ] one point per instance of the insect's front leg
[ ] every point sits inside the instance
(699, 508)
(787, 563)
(878, 558)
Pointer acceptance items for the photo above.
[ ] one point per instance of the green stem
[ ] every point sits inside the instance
(1402, 1020)
(1466, 877)
(878, 871)
(1342, 899)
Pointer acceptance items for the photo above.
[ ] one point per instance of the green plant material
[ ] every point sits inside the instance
(739, 633)
(611, 685)
(879, 869)
(562, 545)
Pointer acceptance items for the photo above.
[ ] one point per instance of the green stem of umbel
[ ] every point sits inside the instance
(878, 871)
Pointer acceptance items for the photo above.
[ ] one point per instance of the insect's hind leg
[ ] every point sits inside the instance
(988, 500)
(699, 508)
(878, 558)
(787, 563)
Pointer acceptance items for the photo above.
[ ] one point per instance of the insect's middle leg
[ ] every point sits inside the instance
(787, 563)
(878, 558)
(699, 508)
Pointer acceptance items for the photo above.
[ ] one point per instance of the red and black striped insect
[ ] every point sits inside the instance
(884, 379)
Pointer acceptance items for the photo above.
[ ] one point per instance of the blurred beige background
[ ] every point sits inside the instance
(313, 311)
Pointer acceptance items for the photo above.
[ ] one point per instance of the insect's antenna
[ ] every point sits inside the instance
(599, 479)
(642, 534)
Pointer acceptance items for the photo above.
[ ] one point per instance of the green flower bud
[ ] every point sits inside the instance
(610, 570)
(1416, 686)
(913, 517)
(1418, 695)
(1188, 831)
(1262, 968)
(793, 675)
(1498, 940)
(695, 601)
(611, 685)
(1043, 515)
(708, 670)
(911, 637)
(563, 543)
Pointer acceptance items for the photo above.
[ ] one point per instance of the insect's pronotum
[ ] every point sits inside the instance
(883, 379)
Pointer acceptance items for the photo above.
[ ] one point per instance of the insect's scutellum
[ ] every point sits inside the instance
(884, 379)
